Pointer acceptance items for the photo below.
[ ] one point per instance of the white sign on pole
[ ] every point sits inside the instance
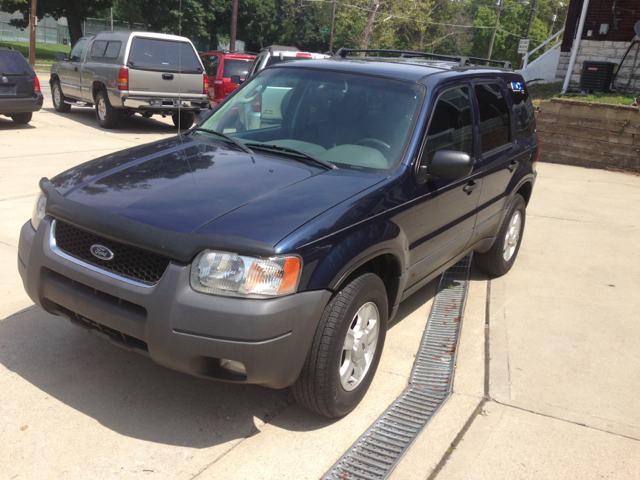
(524, 46)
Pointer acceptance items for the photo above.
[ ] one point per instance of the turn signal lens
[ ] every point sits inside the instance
(221, 273)
(123, 79)
(38, 210)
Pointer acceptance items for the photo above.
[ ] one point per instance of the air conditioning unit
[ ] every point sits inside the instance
(597, 76)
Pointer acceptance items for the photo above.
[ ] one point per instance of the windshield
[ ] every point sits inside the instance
(356, 122)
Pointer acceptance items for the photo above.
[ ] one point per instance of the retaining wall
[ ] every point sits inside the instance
(589, 134)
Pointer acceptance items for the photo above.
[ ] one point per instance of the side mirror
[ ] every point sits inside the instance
(60, 56)
(446, 164)
(236, 79)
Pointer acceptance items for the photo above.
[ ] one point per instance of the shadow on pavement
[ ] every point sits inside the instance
(134, 124)
(7, 124)
(127, 392)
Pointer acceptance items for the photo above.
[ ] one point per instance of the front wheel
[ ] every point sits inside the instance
(59, 99)
(108, 117)
(183, 120)
(346, 349)
(502, 255)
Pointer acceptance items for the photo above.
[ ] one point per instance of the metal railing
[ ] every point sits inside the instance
(546, 42)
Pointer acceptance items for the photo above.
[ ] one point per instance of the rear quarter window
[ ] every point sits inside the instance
(13, 63)
(163, 55)
(494, 116)
(525, 112)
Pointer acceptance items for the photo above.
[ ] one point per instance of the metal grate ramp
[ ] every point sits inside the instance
(377, 452)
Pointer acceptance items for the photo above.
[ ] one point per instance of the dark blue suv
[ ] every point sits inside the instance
(273, 242)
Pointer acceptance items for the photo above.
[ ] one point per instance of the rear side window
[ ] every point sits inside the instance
(526, 114)
(236, 67)
(451, 126)
(163, 55)
(13, 63)
(211, 63)
(494, 116)
(105, 49)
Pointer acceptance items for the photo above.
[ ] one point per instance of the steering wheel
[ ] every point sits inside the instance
(379, 145)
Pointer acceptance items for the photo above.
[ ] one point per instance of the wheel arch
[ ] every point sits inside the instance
(525, 189)
(96, 86)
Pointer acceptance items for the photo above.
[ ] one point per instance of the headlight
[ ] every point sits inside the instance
(38, 210)
(221, 273)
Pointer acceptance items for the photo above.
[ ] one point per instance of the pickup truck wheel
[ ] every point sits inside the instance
(58, 98)
(183, 120)
(108, 117)
(346, 349)
(22, 118)
(502, 255)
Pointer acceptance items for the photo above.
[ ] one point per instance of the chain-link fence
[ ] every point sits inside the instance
(50, 30)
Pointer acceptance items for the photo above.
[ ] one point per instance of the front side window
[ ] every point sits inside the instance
(76, 51)
(357, 122)
(494, 116)
(451, 126)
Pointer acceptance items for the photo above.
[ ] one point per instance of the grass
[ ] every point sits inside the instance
(45, 52)
(552, 90)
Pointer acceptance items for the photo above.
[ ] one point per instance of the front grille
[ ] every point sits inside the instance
(127, 262)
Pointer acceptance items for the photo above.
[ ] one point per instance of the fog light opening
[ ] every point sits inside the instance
(232, 366)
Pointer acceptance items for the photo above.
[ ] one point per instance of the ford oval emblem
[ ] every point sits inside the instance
(101, 252)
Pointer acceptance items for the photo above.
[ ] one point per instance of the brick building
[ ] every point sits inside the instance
(608, 32)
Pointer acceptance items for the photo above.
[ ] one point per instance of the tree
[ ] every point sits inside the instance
(76, 11)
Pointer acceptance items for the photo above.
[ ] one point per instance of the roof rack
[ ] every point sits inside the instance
(462, 60)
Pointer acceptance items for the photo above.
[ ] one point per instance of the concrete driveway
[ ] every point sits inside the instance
(555, 400)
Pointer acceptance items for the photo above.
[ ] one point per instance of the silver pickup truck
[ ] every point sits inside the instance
(122, 73)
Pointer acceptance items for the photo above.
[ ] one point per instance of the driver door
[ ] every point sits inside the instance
(446, 209)
(70, 71)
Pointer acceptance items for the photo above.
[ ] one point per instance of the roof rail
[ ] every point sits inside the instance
(462, 60)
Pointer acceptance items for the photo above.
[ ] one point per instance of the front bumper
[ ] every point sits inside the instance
(9, 106)
(177, 327)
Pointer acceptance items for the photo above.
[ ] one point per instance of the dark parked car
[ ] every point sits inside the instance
(276, 253)
(20, 93)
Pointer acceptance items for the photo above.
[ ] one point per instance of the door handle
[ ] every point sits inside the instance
(513, 165)
(167, 76)
(75, 69)
(470, 187)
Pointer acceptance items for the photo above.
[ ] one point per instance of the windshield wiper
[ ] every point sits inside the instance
(297, 153)
(226, 137)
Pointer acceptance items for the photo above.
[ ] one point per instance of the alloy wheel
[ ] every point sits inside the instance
(359, 346)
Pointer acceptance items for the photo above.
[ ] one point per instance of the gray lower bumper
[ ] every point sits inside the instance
(176, 326)
(21, 105)
(164, 104)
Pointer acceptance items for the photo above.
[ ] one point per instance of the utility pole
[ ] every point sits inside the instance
(111, 18)
(32, 33)
(533, 9)
(495, 29)
(333, 18)
(234, 23)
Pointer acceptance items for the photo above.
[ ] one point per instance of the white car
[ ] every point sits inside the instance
(276, 54)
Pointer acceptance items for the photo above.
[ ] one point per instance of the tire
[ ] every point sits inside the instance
(320, 387)
(185, 120)
(107, 116)
(22, 118)
(58, 98)
(502, 255)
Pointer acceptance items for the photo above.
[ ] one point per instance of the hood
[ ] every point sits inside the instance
(186, 185)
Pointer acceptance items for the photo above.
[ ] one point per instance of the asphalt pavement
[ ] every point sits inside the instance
(556, 397)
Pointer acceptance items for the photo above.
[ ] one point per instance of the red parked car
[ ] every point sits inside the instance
(220, 67)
